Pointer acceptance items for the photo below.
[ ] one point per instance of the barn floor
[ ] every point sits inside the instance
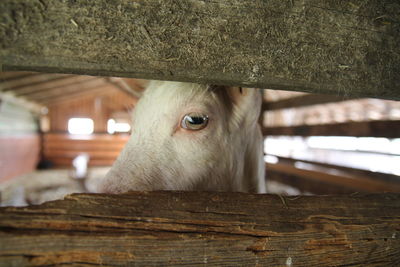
(46, 185)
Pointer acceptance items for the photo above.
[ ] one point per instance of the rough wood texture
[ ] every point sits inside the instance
(347, 48)
(193, 228)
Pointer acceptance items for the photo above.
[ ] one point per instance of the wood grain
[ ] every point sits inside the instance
(344, 48)
(198, 228)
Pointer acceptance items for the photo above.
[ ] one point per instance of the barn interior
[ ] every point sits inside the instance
(338, 154)
(60, 133)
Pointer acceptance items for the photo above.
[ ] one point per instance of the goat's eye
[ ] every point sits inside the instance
(194, 121)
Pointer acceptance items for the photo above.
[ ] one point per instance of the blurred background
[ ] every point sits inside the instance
(60, 133)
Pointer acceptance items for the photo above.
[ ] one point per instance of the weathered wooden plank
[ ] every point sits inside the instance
(193, 228)
(347, 48)
(11, 75)
(388, 128)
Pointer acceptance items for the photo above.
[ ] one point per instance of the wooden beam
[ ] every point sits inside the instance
(125, 87)
(303, 100)
(379, 176)
(196, 228)
(138, 85)
(10, 75)
(348, 49)
(78, 84)
(42, 88)
(354, 183)
(28, 81)
(54, 100)
(389, 129)
(298, 184)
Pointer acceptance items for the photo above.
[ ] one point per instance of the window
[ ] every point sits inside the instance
(80, 126)
(121, 127)
(374, 154)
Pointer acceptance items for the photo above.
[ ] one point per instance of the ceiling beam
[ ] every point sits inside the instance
(19, 83)
(79, 94)
(69, 89)
(126, 87)
(43, 88)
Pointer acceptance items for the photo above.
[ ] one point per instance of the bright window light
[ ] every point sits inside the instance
(121, 127)
(375, 154)
(367, 144)
(80, 126)
(271, 159)
(333, 142)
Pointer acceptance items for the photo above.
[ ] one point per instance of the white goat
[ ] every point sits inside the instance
(192, 137)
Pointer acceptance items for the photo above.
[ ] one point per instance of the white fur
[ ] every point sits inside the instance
(160, 155)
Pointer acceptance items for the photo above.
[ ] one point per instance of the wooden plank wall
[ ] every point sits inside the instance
(102, 149)
(97, 106)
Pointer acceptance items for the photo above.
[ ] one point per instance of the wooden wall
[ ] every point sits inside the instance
(61, 148)
(98, 107)
(103, 149)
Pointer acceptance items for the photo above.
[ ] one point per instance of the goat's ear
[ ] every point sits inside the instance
(240, 97)
(239, 94)
(246, 104)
